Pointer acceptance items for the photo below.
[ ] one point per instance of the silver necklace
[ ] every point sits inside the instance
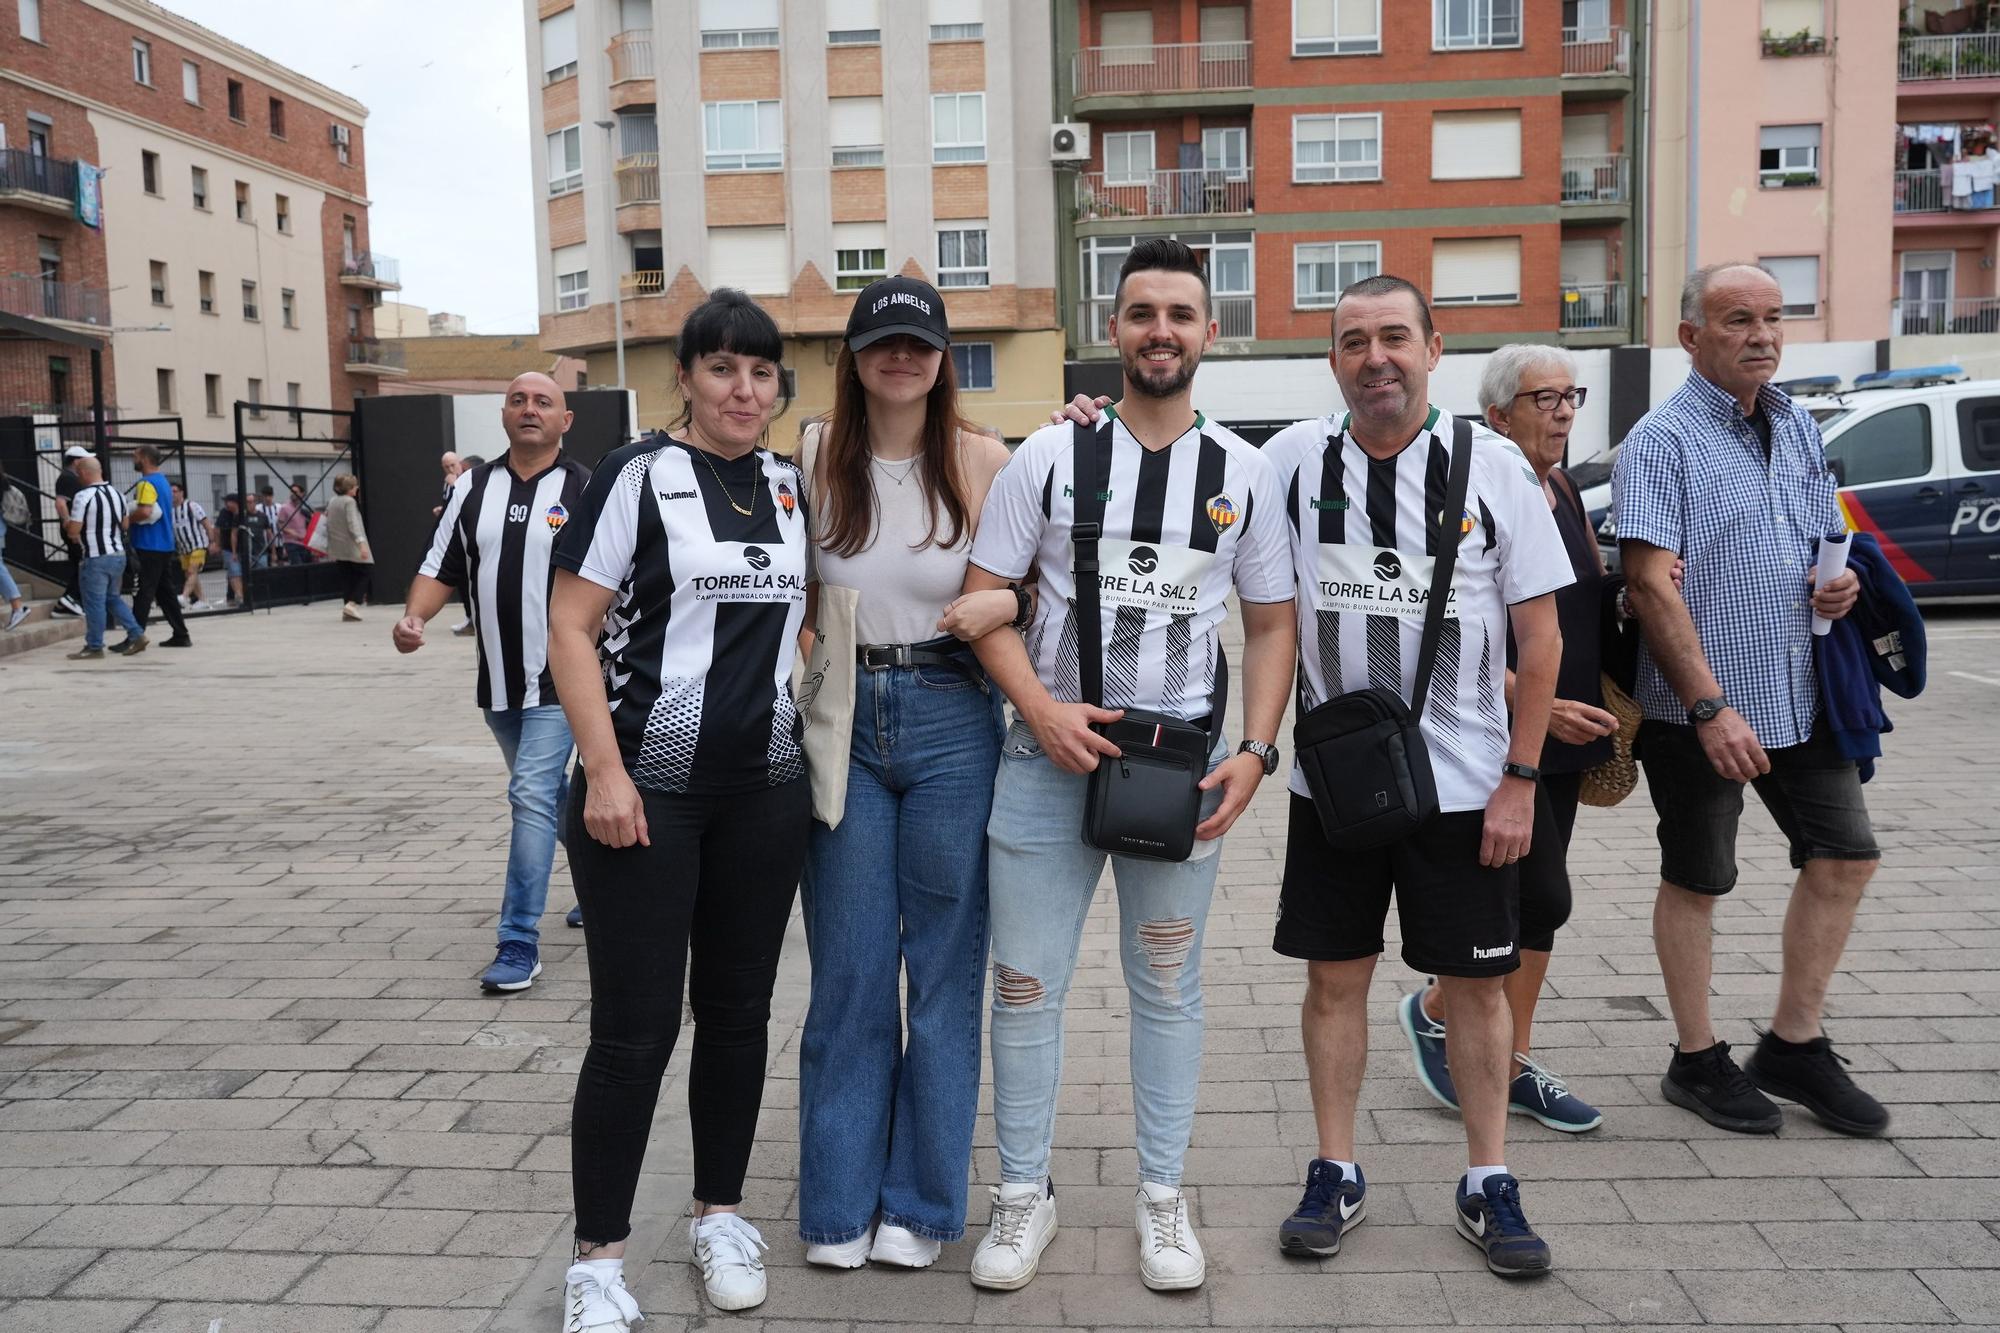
(909, 466)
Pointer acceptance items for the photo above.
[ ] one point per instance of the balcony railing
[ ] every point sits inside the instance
(41, 298)
(376, 356)
(1969, 55)
(1597, 51)
(1920, 192)
(1965, 314)
(646, 282)
(1604, 178)
(370, 268)
(23, 172)
(1236, 314)
(638, 176)
(1183, 67)
(1191, 192)
(631, 55)
(1593, 306)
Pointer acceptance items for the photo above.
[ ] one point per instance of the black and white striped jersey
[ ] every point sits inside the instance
(190, 527)
(699, 644)
(495, 540)
(101, 510)
(1182, 526)
(1364, 534)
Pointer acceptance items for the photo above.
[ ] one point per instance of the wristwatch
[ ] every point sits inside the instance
(1528, 771)
(1024, 608)
(1704, 710)
(1267, 753)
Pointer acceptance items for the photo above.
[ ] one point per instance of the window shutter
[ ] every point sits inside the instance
(559, 40)
(1791, 136)
(1485, 267)
(1475, 145)
(853, 15)
(754, 259)
(854, 122)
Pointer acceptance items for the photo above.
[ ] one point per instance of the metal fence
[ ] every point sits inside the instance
(1192, 192)
(1179, 67)
(632, 55)
(1597, 51)
(1920, 192)
(638, 177)
(1963, 314)
(1969, 55)
(1603, 178)
(25, 172)
(1592, 307)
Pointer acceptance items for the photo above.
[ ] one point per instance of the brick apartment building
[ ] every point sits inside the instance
(797, 151)
(232, 257)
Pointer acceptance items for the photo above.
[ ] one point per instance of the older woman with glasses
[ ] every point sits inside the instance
(1529, 394)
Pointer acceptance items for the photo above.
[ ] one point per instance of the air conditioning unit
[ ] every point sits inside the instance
(1069, 141)
(337, 133)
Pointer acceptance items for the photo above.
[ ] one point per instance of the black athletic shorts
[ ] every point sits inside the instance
(1459, 918)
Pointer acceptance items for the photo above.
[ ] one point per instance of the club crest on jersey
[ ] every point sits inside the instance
(556, 517)
(1466, 522)
(1222, 513)
(785, 499)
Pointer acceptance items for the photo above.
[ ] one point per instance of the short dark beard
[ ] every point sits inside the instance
(1173, 386)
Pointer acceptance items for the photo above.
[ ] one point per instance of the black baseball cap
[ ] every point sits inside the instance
(889, 306)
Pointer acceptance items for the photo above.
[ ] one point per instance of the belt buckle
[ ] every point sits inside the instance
(896, 654)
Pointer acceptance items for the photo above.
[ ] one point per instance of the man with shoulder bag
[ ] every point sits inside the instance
(1140, 527)
(1417, 539)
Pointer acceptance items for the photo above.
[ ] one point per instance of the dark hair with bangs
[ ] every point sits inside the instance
(729, 321)
(1166, 254)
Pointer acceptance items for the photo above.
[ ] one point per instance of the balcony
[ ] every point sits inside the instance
(1965, 314)
(1594, 308)
(372, 356)
(372, 271)
(1919, 192)
(631, 55)
(1604, 178)
(1969, 55)
(1236, 314)
(1597, 52)
(638, 177)
(37, 181)
(1182, 67)
(58, 302)
(1194, 192)
(646, 282)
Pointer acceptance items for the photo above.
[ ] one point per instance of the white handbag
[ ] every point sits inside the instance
(823, 685)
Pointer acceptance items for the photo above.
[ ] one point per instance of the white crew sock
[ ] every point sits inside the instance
(1348, 1170)
(1476, 1176)
(607, 1270)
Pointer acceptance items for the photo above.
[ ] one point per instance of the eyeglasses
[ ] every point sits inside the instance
(1546, 399)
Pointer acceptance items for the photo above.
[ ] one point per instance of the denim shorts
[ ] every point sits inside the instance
(1813, 791)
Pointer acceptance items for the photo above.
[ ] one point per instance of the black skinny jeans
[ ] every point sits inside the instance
(160, 575)
(717, 882)
(354, 580)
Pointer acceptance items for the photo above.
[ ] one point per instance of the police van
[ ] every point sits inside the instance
(1918, 467)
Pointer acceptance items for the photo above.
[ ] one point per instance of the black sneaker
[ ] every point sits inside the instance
(65, 606)
(1811, 1074)
(1709, 1084)
(178, 641)
(1331, 1208)
(1492, 1219)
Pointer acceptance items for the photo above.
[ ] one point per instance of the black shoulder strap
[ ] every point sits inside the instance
(1090, 460)
(1447, 560)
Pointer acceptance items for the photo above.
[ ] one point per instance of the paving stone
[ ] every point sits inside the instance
(1874, 1297)
(411, 1280)
(74, 1316)
(40, 1272)
(1936, 1200)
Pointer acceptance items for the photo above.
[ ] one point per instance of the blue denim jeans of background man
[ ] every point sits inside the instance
(1042, 878)
(885, 1122)
(98, 585)
(536, 742)
(9, 589)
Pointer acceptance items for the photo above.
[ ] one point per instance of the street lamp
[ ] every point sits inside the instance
(618, 268)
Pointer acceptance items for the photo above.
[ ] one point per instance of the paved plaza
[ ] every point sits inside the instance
(248, 1084)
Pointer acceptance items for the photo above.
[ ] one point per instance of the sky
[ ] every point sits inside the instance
(447, 135)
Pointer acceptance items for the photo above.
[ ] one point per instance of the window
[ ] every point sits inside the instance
(292, 399)
(163, 389)
(1475, 145)
(860, 254)
(1796, 18)
(729, 25)
(191, 82)
(1336, 27)
(1128, 158)
(566, 160)
(31, 20)
(559, 46)
(39, 129)
(1226, 151)
(49, 250)
(1798, 280)
(157, 275)
(142, 62)
(242, 201)
(277, 119)
(341, 136)
(1890, 446)
(854, 127)
(149, 172)
(572, 275)
(283, 209)
(1788, 155)
(235, 100)
(957, 20)
(1321, 272)
(1586, 20)
(205, 288)
(754, 259)
(743, 136)
(853, 22)
(256, 397)
(958, 127)
(973, 364)
(354, 311)
(350, 241)
(1979, 433)
(962, 256)
(1125, 37)
(1476, 271)
(288, 307)
(1223, 26)
(198, 176)
(249, 300)
(211, 393)
(1337, 148)
(1470, 24)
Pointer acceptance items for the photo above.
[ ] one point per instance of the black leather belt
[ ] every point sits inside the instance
(939, 652)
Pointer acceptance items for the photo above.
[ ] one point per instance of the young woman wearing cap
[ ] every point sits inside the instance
(898, 884)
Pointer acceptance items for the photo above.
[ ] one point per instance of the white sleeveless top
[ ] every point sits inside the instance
(903, 589)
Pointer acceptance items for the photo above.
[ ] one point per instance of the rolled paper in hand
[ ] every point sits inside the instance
(1832, 564)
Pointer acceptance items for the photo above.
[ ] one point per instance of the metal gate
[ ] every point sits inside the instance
(307, 449)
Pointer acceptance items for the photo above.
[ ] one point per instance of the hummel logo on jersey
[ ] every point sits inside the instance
(1144, 560)
(1504, 951)
(1339, 502)
(678, 495)
(1069, 493)
(1388, 567)
(757, 557)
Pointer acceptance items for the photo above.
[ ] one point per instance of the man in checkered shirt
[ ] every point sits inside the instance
(1730, 475)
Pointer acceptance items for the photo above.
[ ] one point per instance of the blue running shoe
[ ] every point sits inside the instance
(1426, 1036)
(1331, 1208)
(515, 967)
(575, 918)
(1493, 1220)
(1542, 1094)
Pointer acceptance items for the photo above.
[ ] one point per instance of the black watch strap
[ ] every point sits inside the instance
(1024, 607)
(1528, 771)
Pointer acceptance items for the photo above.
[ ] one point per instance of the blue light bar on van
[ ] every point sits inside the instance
(1916, 377)
(1799, 388)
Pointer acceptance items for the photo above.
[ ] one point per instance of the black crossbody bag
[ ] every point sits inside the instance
(1147, 801)
(1363, 753)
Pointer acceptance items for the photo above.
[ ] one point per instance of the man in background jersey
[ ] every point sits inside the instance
(494, 541)
(1190, 513)
(1364, 498)
(152, 540)
(194, 537)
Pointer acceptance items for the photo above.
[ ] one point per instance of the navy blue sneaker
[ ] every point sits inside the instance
(1331, 1208)
(1426, 1036)
(575, 918)
(1493, 1220)
(1542, 1094)
(515, 967)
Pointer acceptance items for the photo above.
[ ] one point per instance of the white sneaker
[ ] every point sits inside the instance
(595, 1301)
(901, 1247)
(1169, 1255)
(1024, 1222)
(729, 1251)
(349, 611)
(185, 602)
(464, 628)
(198, 605)
(847, 1254)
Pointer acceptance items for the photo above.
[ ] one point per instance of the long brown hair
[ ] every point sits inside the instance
(847, 494)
